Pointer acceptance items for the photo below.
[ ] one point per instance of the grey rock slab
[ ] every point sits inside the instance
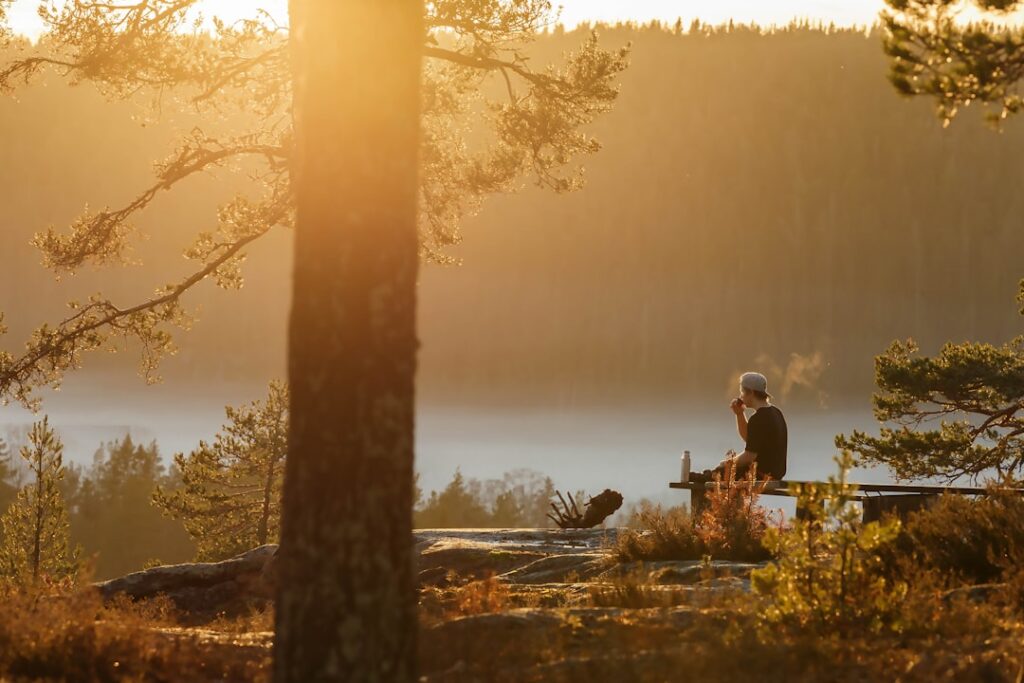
(538, 540)
(557, 568)
(150, 582)
(684, 572)
(466, 557)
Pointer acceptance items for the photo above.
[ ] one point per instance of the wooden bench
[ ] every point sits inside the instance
(875, 499)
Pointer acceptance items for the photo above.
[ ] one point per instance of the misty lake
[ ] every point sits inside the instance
(632, 449)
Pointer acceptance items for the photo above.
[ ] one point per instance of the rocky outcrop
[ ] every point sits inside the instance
(544, 562)
(515, 555)
(202, 588)
(683, 572)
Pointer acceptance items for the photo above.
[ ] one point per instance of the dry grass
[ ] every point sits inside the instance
(625, 628)
(481, 597)
(730, 527)
(65, 634)
(733, 523)
(659, 534)
(943, 638)
(635, 590)
(256, 621)
(468, 598)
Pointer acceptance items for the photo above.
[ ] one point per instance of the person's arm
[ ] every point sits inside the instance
(741, 418)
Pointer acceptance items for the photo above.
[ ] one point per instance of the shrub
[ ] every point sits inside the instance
(659, 535)
(961, 539)
(730, 527)
(481, 597)
(54, 632)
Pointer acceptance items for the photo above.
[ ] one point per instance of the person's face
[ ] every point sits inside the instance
(747, 395)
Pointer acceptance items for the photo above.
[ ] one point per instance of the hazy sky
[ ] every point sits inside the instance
(844, 12)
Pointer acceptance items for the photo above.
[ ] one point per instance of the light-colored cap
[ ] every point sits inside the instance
(754, 381)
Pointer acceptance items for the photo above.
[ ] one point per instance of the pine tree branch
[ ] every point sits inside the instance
(486, 63)
(51, 352)
(101, 238)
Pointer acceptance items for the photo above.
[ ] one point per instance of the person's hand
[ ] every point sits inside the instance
(737, 406)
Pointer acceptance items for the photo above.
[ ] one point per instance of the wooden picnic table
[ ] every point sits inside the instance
(875, 499)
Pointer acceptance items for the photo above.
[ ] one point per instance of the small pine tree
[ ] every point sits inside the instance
(828, 575)
(230, 494)
(35, 527)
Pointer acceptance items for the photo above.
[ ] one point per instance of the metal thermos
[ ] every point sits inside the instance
(686, 466)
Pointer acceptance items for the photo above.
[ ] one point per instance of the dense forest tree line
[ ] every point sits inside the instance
(127, 509)
(107, 505)
(520, 499)
(759, 195)
(113, 517)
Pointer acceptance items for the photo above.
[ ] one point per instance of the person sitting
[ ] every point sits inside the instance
(765, 434)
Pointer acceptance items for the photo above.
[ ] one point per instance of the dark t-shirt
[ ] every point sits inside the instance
(767, 436)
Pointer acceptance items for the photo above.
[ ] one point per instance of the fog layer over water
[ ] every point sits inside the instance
(634, 449)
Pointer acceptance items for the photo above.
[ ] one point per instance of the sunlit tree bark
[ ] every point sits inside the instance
(346, 601)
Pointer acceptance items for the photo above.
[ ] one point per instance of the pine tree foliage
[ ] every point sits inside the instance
(455, 506)
(4, 31)
(935, 52)
(35, 528)
(229, 497)
(975, 394)
(478, 86)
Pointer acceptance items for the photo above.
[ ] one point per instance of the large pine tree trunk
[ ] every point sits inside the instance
(346, 608)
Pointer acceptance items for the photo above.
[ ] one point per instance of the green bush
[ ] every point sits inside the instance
(828, 576)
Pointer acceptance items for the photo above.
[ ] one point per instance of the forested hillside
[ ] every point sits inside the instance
(758, 196)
